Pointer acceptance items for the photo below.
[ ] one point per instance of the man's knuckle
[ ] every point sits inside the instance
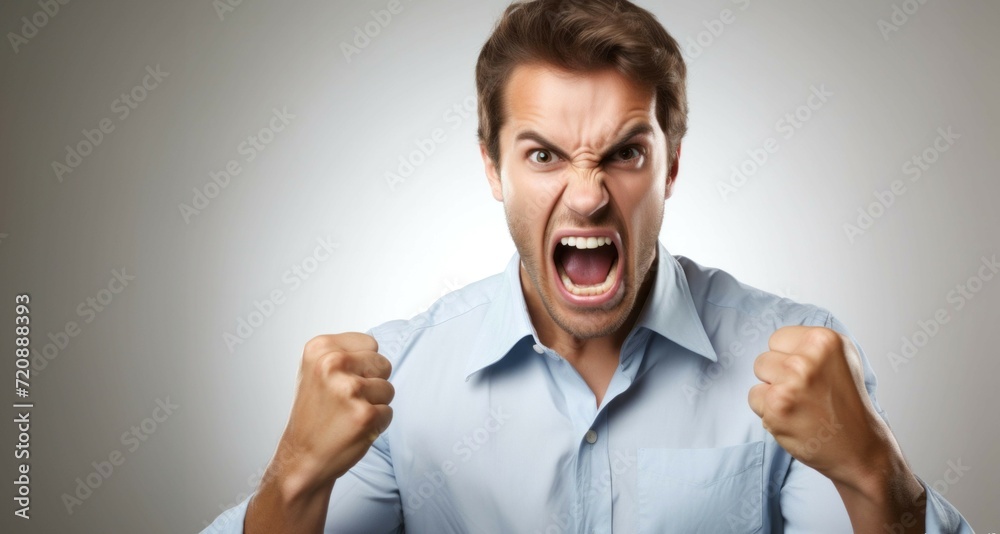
(350, 386)
(373, 343)
(336, 360)
(360, 340)
(782, 401)
(800, 366)
(823, 338)
(317, 346)
(385, 365)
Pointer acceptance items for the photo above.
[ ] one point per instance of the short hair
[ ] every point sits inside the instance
(581, 36)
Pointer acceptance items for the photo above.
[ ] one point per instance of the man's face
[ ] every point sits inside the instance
(583, 176)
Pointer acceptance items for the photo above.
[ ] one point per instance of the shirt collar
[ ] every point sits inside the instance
(669, 311)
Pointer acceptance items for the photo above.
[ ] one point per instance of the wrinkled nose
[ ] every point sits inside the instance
(585, 193)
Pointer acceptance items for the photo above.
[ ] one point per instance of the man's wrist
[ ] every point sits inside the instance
(884, 492)
(288, 502)
(295, 483)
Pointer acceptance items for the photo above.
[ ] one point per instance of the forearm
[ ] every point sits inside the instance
(886, 498)
(281, 506)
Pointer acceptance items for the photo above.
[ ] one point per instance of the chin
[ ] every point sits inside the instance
(589, 320)
(586, 329)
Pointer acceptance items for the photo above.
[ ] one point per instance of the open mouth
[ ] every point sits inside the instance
(587, 266)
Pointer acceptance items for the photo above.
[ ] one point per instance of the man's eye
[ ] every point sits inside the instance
(542, 156)
(628, 153)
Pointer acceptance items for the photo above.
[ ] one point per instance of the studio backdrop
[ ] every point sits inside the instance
(189, 191)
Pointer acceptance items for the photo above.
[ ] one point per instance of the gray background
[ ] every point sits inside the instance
(400, 248)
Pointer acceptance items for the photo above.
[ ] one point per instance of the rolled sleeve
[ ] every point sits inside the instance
(942, 516)
(366, 499)
(230, 521)
(810, 503)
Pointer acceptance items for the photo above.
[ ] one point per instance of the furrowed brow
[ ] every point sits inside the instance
(531, 135)
(621, 142)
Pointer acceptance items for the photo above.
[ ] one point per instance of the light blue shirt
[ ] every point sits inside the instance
(494, 432)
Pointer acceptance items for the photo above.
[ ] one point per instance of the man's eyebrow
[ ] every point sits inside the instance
(532, 135)
(638, 129)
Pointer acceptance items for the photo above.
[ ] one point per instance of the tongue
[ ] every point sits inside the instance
(587, 267)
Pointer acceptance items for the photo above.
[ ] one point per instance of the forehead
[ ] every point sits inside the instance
(575, 109)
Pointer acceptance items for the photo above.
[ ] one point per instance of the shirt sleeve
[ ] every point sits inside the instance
(941, 515)
(366, 499)
(810, 503)
(806, 495)
(230, 521)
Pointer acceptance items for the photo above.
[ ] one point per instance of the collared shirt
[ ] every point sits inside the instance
(495, 432)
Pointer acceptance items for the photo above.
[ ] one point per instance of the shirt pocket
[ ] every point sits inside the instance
(701, 490)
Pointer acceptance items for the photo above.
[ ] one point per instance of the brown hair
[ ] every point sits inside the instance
(581, 36)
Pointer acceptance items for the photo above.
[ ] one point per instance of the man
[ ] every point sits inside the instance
(599, 384)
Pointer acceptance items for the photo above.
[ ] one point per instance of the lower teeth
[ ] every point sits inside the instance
(588, 291)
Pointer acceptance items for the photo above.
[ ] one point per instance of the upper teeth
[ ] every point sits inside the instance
(585, 242)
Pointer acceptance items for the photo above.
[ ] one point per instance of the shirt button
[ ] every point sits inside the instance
(538, 348)
(591, 436)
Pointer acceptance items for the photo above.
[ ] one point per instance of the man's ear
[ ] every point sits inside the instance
(675, 165)
(492, 174)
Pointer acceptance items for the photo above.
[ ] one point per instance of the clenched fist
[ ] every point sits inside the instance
(813, 401)
(341, 406)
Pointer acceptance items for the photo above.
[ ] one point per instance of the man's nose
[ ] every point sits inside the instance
(585, 192)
